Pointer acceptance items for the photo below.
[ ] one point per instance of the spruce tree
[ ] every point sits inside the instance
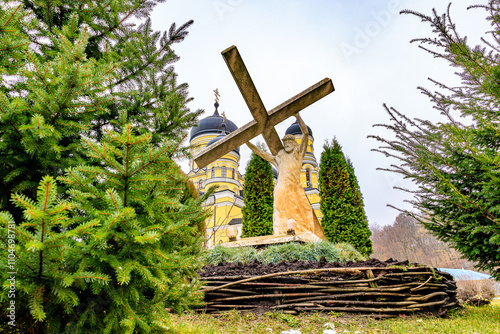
(118, 253)
(40, 249)
(91, 100)
(258, 192)
(454, 163)
(72, 67)
(344, 218)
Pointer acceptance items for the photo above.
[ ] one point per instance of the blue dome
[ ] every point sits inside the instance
(294, 129)
(212, 124)
(213, 140)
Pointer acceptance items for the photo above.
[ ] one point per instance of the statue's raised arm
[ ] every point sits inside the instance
(305, 135)
(263, 154)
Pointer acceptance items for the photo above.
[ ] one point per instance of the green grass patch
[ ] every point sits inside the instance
(470, 320)
(341, 252)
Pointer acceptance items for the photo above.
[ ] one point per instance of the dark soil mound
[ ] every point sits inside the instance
(256, 268)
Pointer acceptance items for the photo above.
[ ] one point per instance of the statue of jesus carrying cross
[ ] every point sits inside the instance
(290, 200)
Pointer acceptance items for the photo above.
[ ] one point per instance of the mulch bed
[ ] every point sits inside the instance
(374, 288)
(256, 268)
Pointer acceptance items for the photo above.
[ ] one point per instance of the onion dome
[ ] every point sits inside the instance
(222, 135)
(294, 129)
(212, 125)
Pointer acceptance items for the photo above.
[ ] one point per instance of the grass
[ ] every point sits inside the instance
(470, 320)
(340, 252)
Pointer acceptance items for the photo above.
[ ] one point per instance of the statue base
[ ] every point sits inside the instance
(273, 239)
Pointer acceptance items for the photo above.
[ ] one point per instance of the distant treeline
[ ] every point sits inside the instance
(406, 239)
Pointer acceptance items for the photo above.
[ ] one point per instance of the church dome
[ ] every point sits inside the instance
(294, 129)
(212, 124)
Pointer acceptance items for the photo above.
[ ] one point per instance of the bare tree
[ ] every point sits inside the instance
(406, 239)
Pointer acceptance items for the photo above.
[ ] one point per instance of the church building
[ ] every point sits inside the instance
(227, 201)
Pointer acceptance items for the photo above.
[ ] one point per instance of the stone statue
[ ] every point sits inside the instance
(290, 201)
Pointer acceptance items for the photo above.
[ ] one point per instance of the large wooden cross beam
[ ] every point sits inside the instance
(264, 121)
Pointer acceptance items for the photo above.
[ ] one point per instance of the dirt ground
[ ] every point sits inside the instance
(256, 268)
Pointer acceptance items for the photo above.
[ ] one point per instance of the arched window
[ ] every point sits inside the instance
(224, 171)
(308, 178)
(200, 184)
(232, 173)
(213, 172)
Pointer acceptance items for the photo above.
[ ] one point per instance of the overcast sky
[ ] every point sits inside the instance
(287, 46)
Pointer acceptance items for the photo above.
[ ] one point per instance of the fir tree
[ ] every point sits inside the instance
(43, 288)
(93, 101)
(73, 66)
(344, 218)
(455, 163)
(258, 192)
(124, 252)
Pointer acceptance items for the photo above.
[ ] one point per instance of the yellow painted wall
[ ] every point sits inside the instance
(314, 198)
(224, 210)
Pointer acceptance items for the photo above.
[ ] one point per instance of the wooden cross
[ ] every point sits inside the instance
(264, 121)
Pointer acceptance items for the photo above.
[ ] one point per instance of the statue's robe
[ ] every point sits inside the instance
(290, 201)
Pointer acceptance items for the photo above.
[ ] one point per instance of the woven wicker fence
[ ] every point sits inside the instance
(378, 292)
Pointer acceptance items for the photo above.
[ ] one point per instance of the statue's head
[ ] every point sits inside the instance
(289, 143)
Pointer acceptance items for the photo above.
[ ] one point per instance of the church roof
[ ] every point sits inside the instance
(212, 125)
(236, 221)
(294, 129)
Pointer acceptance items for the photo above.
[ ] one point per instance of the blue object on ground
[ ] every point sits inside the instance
(463, 274)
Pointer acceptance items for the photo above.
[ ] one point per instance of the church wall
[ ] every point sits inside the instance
(310, 147)
(227, 207)
(310, 163)
(223, 213)
(228, 203)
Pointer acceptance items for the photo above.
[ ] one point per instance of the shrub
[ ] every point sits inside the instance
(220, 254)
(258, 192)
(344, 218)
(476, 292)
(285, 252)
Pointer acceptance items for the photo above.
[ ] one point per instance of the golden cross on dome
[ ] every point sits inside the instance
(223, 116)
(217, 95)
